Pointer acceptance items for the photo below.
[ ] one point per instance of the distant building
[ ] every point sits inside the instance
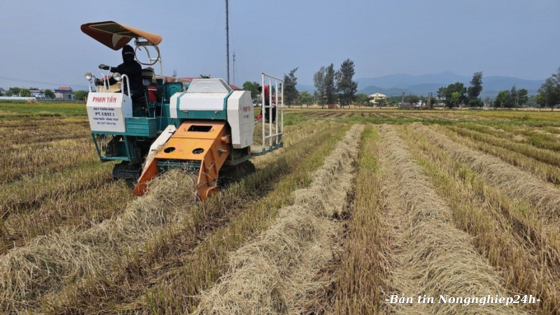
(38, 94)
(373, 98)
(64, 93)
(2, 91)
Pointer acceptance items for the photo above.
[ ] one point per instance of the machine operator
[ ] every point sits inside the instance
(266, 102)
(133, 71)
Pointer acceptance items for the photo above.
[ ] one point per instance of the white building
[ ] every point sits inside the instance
(373, 98)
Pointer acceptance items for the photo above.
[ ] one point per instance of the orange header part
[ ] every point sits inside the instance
(115, 35)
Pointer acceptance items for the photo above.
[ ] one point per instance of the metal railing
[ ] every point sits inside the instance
(277, 105)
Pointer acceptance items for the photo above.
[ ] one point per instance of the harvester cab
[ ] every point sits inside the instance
(207, 129)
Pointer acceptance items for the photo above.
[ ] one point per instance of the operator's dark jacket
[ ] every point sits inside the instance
(133, 71)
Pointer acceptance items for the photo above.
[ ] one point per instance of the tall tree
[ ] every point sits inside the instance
(501, 99)
(542, 100)
(305, 98)
(49, 94)
(512, 97)
(290, 92)
(455, 97)
(363, 100)
(253, 87)
(429, 101)
(24, 92)
(522, 97)
(345, 85)
(14, 91)
(330, 86)
(549, 92)
(319, 82)
(476, 86)
(81, 95)
(474, 90)
(457, 87)
(412, 99)
(442, 93)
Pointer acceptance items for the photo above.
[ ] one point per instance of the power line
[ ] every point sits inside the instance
(227, 38)
(38, 82)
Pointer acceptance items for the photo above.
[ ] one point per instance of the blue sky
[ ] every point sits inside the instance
(42, 44)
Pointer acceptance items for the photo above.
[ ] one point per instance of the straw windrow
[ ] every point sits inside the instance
(431, 256)
(544, 171)
(514, 243)
(49, 261)
(186, 257)
(272, 274)
(512, 181)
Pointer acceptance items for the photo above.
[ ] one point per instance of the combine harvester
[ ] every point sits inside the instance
(206, 128)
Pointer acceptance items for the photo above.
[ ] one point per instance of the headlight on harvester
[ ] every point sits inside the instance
(117, 76)
(88, 76)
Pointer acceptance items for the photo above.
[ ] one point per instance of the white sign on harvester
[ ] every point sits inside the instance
(107, 111)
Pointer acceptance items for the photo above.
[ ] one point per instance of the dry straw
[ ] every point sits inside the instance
(302, 133)
(258, 134)
(512, 181)
(272, 274)
(431, 257)
(49, 262)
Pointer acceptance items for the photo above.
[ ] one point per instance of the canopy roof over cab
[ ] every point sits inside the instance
(115, 35)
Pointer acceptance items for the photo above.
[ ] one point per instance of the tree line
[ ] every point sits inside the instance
(337, 86)
(549, 92)
(26, 92)
(331, 85)
(456, 93)
(79, 95)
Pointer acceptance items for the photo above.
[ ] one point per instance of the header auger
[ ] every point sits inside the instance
(205, 127)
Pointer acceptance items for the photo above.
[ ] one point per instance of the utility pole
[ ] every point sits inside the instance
(430, 100)
(227, 38)
(233, 69)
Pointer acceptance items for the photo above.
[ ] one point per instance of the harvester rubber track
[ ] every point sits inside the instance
(129, 172)
(232, 174)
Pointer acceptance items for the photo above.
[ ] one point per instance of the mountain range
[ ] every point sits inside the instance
(396, 84)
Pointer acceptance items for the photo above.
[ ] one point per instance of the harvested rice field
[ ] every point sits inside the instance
(361, 212)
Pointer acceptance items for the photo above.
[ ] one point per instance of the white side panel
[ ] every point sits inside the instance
(202, 95)
(202, 101)
(209, 86)
(240, 116)
(160, 141)
(173, 104)
(107, 111)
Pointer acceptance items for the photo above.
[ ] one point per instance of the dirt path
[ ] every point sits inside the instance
(431, 257)
(272, 274)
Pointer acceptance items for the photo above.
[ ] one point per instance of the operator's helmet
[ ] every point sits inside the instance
(128, 53)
